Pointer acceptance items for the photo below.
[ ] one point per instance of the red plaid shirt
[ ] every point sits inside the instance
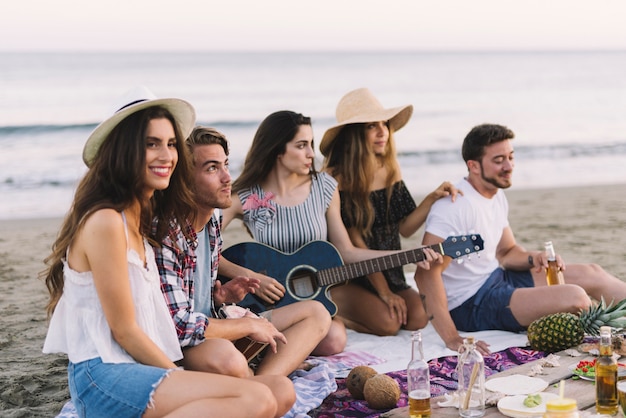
(176, 260)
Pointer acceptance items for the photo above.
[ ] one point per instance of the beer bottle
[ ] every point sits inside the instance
(471, 375)
(554, 275)
(418, 380)
(606, 375)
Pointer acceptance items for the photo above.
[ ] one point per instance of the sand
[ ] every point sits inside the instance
(586, 224)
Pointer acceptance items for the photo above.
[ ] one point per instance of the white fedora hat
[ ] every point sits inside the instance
(360, 106)
(133, 101)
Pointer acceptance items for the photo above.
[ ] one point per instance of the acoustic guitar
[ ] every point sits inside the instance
(308, 273)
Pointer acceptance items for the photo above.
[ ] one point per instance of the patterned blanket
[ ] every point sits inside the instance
(320, 395)
(443, 379)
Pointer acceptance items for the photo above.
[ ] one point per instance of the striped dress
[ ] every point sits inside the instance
(287, 228)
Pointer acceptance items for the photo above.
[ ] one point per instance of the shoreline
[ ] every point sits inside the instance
(586, 224)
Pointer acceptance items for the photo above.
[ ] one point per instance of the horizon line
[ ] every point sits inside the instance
(315, 51)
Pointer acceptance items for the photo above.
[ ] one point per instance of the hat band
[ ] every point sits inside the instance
(130, 104)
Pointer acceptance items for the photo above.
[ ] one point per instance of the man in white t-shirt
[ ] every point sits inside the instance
(505, 287)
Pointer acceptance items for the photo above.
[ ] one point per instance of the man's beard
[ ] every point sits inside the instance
(495, 181)
(218, 203)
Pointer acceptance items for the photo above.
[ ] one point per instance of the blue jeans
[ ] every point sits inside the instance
(489, 307)
(112, 389)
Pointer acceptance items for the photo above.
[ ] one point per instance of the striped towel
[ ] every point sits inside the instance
(314, 385)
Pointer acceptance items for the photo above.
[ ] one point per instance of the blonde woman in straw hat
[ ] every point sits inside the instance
(107, 311)
(376, 208)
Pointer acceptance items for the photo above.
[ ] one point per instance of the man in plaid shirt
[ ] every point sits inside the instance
(188, 262)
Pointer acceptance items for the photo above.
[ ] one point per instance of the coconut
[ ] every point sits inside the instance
(357, 378)
(381, 392)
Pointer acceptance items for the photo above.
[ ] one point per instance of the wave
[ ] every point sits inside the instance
(13, 183)
(442, 156)
(39, 129)
(42, 129)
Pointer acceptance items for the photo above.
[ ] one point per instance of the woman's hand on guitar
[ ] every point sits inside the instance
(271, 290)
(430, 256)
(265, 332)
(234, 290)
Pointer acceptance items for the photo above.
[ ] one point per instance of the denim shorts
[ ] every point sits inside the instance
(112, 389)
(489, 307)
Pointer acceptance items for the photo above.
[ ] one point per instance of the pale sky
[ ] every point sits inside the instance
(247, 25)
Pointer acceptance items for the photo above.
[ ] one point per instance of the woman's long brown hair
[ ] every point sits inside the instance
(116, 180)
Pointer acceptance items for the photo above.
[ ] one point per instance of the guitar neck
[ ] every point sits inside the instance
(346, 272)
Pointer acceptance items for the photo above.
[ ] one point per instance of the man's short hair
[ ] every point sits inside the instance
(482, 136)
(204, 135)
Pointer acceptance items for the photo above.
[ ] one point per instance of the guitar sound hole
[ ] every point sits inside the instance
(302, 284)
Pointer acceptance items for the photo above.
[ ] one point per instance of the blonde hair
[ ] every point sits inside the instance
(353, 163)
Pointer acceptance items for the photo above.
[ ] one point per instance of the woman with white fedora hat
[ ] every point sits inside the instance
(106, 309)
(377, 208)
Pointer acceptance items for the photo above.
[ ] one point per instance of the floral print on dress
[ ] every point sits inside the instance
(261, 209)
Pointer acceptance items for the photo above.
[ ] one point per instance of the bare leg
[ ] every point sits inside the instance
(216, 355)
(283, 390)
(582, 281)
(530, 303)
(596, 281)
(363, 311)
(186, 393)
(304, 324)
(334, 342)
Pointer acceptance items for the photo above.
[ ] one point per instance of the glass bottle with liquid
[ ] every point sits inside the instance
(471, 375)
(554, 275)
(418, 380)
(606, 375)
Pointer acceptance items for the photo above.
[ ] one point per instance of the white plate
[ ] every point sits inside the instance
(516, 384)
(621, 372)
(513, 406)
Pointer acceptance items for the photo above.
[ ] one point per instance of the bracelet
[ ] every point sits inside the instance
(530, 260)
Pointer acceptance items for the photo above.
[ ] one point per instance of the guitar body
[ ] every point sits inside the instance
(308, 273)
(296, 271)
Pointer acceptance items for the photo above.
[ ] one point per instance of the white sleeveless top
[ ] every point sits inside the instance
(79, 328)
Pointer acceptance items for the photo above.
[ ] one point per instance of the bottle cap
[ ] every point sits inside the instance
(561, 404)
(605, 328)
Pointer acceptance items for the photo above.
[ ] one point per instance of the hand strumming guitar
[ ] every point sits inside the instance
(265, 332)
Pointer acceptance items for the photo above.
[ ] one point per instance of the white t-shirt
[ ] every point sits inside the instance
(471, 213)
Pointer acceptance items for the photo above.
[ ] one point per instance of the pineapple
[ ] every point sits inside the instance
(559, 331)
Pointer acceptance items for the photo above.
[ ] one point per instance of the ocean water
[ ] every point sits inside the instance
(568, 109)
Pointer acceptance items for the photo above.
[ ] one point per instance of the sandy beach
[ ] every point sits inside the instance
(586, 224)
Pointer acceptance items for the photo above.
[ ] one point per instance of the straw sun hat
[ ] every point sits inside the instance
(133, 101)
(360, 106)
